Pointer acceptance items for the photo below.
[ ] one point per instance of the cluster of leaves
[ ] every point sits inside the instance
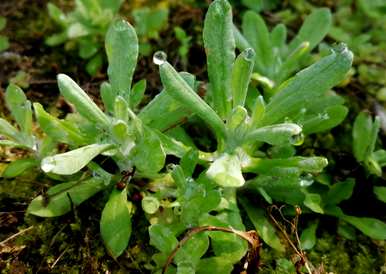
(361, 25)
(86, 25)
(253, 129)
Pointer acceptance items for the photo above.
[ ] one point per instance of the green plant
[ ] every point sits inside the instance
(276, 60)
(149, 21)
(365, 134)
(84, 28)
(22, 136)
(246, 133)
(4, 43)
(366, 40)
(184, 47)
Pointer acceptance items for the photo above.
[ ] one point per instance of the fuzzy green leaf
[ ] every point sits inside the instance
(276, 134)
(241, 76)
(57, 129)
(122, 54)
(179, 90)
(220, 50)
(308, 85)
(82, 102)
(71, 162)
(149, 155)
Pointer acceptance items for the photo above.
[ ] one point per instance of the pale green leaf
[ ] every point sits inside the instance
(220, 50)
(71, 162)
(122, 54)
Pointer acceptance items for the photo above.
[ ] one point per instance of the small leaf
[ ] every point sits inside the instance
(241, 76)
(380, 192)
(214, 265)
(115, 223)
(189, 161)
(192, 250)
(149, 155)
(365, 133)
(258, 111)
(226, 171)
(61, 197)
(340, 191)
(313, 202)
(308, 237)
(162, 238)
(57, 15)
(94, 64)
(122, 53)
(108, 96)
(319, 19)
(71, 162)
(121, 109)
(17, 167)
(57, 129)
(20, 107)
(150, 204)
(137, 93)
(9, 131)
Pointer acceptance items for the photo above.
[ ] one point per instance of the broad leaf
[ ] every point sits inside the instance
(115, 223)
(122, 53)
(148, 154)
(71, 162)
(60, 198)
(162, 238)
(220, 50)
(17, 167)
(308, 85)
